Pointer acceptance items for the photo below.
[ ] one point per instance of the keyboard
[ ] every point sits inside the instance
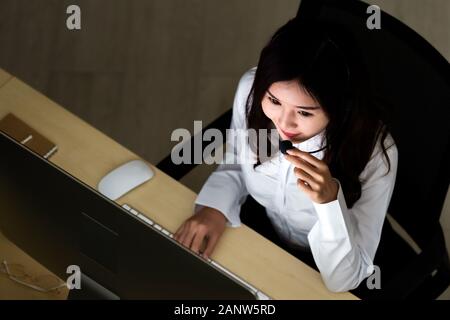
(257, 293)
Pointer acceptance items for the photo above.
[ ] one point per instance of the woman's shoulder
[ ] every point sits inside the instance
(246, 83)
(242, 92)
(378, 165)
(389, 145)
(248, 77)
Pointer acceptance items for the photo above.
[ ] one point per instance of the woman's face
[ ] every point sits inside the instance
(295, 114)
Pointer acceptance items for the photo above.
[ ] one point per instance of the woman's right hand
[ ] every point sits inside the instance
(202, 230)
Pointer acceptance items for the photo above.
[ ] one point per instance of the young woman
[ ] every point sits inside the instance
(330, 194)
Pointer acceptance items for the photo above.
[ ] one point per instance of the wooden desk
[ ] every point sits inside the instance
(4, 77)
(88, 154)
(35, 274)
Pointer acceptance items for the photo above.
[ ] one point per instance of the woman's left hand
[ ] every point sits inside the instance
(313, 176)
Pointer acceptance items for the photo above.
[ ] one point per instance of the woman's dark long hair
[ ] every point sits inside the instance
(327, 63)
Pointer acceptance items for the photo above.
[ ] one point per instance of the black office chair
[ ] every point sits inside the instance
(413, 78)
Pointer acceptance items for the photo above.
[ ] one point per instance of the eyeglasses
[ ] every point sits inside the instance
(44, 283)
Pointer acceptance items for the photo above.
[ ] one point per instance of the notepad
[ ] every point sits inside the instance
(26, 135)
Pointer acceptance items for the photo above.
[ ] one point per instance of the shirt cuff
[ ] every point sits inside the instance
(230, 211)
(331, 215)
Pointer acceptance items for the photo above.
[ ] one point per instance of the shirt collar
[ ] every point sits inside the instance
(312, 144)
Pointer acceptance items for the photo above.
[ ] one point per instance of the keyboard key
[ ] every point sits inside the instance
(145, 219)
(165, 232)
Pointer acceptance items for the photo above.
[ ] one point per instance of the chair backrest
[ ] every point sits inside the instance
(413, 78)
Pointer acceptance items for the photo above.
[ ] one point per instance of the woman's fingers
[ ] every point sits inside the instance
(198, 240)
(302, 164)
(211, 244)
(201, 232)
(306, 157)
(187, 236)
(306, 189)
(305, 177)
(179, 232)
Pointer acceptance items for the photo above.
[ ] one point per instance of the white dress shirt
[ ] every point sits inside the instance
(343, 241)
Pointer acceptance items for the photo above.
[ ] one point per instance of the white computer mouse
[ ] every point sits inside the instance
(124, 179)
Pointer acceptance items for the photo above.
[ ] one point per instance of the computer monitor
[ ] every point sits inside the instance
(60, 221)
